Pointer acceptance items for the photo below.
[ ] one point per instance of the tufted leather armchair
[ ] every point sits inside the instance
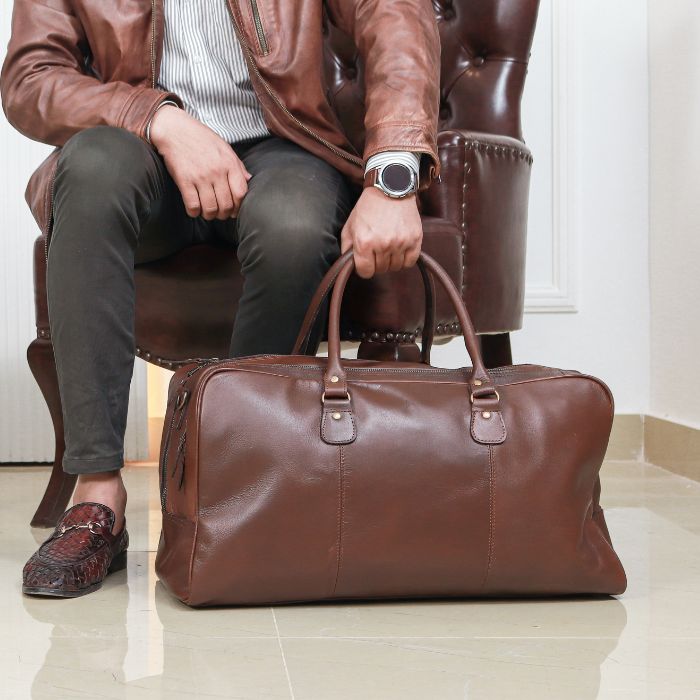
(474, 224)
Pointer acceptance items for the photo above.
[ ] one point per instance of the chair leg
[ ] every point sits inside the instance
(495, 349)
(403, 352)
(60, 487)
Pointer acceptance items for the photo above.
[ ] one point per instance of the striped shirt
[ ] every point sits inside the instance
(203, 63)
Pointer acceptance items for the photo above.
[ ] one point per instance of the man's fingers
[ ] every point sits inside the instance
(412, 254)
(238, 188)
(364, 264)
(224, 199)
(207, 197)
(396, 261)
(190, 198)
(381, 261)
(345, 239)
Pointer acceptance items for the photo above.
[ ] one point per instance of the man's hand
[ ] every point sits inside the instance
(210, 176)
(385, 234)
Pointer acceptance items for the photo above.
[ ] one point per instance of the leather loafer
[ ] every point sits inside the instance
(78, 555)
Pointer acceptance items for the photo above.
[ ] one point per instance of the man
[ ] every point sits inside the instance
(189, 120)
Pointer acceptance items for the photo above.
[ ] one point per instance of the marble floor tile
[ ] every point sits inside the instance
(131, 639)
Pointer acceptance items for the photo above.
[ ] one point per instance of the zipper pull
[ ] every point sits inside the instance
(182, 463)
(202, 362)
(180, 451)
(180, 406)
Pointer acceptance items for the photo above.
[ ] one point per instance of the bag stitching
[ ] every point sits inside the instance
(341, 510)
(500, 438)
(492, 516)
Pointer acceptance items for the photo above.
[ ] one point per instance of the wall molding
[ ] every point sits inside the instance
(560, 295)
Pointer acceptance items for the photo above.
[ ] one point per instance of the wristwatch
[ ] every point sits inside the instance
(394, 179)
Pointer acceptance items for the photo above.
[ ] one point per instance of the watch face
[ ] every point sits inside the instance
(396, 177)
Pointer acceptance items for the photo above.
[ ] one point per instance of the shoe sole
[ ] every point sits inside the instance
(118, 563)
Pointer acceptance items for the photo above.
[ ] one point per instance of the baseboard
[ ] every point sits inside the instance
(626, 438)
(658, 441)
(673, 446)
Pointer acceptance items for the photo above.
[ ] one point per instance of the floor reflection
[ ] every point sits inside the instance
(134, 636)
(132, 639)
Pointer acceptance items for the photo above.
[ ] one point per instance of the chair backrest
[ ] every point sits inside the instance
(485, 51)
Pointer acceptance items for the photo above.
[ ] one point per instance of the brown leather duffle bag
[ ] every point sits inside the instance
(288, 478)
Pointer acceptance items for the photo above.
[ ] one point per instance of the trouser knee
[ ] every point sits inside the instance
(102, 170)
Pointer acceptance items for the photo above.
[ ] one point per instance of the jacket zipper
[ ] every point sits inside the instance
(48, 220)
(258, 27)
(153, 43)
(273, 95)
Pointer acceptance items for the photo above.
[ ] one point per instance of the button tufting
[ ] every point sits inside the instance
(478, 61)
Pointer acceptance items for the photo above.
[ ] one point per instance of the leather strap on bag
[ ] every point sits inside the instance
(324, 288)
(338, 424)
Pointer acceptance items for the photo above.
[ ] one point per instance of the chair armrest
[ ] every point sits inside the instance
(484, 189)
(473, 165)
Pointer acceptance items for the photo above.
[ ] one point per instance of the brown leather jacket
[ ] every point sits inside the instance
(73, 64)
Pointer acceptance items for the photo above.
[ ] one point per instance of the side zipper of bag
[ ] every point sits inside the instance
(181, 400)
(180, 459)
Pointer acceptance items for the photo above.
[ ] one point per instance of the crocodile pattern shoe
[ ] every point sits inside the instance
(78, 555)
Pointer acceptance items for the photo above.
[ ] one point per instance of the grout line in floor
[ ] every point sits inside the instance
(284, 658)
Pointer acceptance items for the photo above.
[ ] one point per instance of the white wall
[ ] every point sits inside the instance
(674, 71)
(585, 119)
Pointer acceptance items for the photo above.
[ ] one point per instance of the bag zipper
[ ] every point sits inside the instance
(273, 95)
(164, 458)
(411, 370)
(180, 459)
(258, 27)
(181, 400)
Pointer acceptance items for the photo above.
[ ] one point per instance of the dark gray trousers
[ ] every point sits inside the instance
(115, 205)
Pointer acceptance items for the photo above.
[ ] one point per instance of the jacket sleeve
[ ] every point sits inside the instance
(47, 95)
(399, 43)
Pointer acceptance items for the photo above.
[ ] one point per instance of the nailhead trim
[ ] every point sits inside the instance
(407, 336)
(500, 150)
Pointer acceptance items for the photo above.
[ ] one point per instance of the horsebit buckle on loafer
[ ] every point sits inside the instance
(89, 525)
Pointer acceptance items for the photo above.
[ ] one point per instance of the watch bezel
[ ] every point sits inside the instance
(388, 190)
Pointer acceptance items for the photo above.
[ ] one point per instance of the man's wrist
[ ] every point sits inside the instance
(407, 158)
(148, 125)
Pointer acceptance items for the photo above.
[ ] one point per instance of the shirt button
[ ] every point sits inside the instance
(197, 59)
